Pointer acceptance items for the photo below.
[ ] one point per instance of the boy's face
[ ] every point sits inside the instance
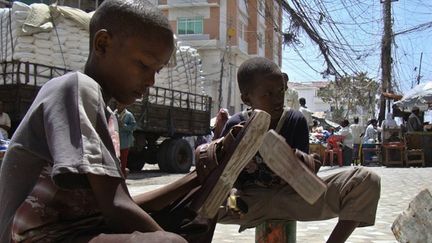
(127, 66)
(268, 95)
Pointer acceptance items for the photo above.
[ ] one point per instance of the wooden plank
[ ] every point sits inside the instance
(220, 181)
(415, 223)
(280, 158)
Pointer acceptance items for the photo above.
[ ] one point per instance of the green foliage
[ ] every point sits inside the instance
(349, 93)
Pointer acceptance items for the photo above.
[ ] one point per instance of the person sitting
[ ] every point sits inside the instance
(262, 87)
(316, 128)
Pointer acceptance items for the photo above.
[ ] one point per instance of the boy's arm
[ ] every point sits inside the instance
(121, 213)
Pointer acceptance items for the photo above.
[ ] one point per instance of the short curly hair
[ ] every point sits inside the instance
(255, 69)
(130, 18)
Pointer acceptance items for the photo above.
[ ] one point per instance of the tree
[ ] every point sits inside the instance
(349, 93)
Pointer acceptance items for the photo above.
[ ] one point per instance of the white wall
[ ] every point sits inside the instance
(313, 102)
(175, 13)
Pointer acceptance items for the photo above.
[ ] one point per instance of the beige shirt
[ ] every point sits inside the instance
(356, 131)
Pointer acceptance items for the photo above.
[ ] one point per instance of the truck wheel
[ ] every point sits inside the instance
(135, 160)
(179, 155)
(162, 161)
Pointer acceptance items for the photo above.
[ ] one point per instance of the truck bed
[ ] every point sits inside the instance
(164, 112)
(172, 113)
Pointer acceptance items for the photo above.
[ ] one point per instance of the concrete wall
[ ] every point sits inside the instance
(219, 16)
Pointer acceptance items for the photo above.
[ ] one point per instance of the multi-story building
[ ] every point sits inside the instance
(226, 33)
(87, 5)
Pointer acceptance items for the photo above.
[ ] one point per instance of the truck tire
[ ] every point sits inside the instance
(180, 156)
(135, 160)
(162, 161)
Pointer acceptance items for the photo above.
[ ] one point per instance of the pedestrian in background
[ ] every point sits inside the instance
(221, 118)
(127, 125)
(371, 132)
(357, 132)
(5, 122)
(306, 112)
(348, 142)
(414, 124)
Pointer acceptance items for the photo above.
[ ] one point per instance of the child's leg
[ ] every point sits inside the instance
(138, 237)
(213, 189)
(342, 231)
(352, 196)
(158, 199)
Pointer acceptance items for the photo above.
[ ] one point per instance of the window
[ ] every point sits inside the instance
(190, 26)
(261, 6)
(260, 40)
(240, 30)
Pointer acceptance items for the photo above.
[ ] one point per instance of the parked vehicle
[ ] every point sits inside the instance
(164, 117)
(30, 56)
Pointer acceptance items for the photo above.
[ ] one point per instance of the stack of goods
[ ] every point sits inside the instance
(186, 75)
(63, 44)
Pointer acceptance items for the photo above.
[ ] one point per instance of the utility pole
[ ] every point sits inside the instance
(231, 34)
(419, 74)
(386, 59)
(221, 81)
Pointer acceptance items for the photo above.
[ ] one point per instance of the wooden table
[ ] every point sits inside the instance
(389, 153)
(426, 138)
(370, 148)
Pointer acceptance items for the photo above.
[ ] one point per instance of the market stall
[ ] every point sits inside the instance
(420, 96)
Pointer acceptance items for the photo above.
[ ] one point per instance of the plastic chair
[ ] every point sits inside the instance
(332, 149)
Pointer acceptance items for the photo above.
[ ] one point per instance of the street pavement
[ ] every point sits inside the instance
(398, 187)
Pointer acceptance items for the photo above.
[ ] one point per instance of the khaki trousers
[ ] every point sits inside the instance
(351, 195)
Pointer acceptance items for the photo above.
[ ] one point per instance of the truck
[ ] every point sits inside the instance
(165, 117)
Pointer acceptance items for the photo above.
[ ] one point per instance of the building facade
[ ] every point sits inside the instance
(226, 33)
(309, 90)
(87, 5)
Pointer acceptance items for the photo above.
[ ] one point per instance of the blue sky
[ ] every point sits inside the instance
(359, 24)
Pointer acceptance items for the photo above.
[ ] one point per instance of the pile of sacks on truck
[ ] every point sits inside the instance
(58, 36)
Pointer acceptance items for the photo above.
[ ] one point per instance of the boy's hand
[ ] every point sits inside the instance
(121, 213)
(235, 205)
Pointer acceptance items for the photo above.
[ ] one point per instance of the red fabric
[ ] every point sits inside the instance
(333, 148)
(123, 159)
